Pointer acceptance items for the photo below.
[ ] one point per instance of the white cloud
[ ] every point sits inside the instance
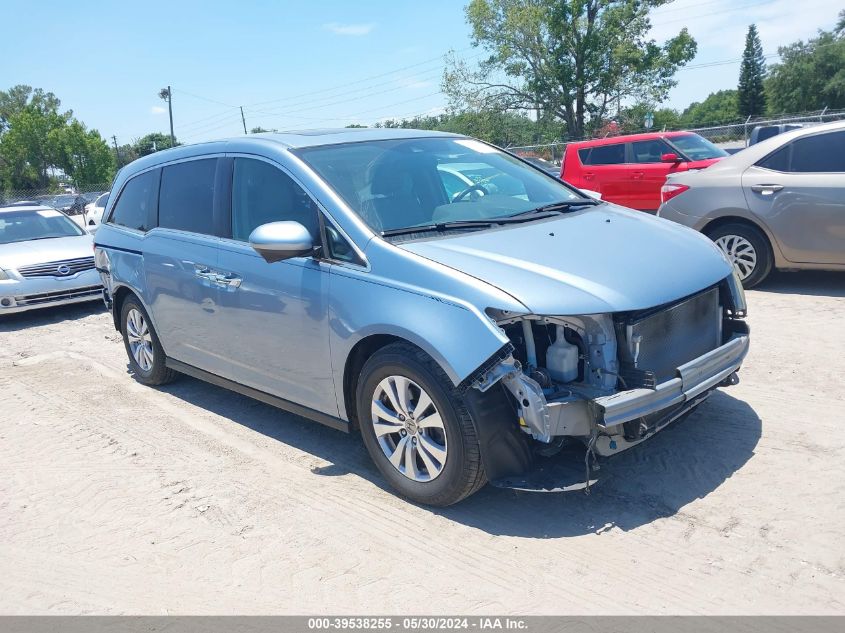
(349, 29)
(157, 110)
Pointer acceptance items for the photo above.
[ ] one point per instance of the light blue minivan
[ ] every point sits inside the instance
(468, 313)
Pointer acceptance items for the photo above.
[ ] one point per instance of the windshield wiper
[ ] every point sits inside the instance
(559, 206)
(442, 226)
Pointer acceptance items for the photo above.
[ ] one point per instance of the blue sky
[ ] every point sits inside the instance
(309, 64)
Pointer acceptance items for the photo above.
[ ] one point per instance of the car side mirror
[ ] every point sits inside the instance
(670, 157)
(276, 241)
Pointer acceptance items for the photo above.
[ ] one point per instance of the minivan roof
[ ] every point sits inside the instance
(279, 141)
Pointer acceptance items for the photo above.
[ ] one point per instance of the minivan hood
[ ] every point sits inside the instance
(17, 254)
(602, 259)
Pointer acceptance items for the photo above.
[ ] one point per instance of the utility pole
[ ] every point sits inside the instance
(167, 94)
(116, 150)
(243, 119)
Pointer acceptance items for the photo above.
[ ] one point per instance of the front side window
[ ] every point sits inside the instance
(822, 153)
(603, 155)
(649, 151)
(133, 207)
(695, 147)
(22, 226)
(403, 183)
(263, 193)
(186, 198)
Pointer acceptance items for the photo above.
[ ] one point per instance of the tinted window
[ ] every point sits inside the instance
(779, 161)
(603, 155)
(819, 153)
(262, 193)
(186, 200)
(137, 198)
(649, 151)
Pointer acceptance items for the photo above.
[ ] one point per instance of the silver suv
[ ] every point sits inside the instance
(464, 310)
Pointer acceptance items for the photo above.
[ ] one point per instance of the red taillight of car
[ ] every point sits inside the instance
(669, 191)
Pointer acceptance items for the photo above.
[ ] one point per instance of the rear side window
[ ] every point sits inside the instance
(186, 198)
(262, 193)
(779, 161)
(133, 207)
(602, 155)
(822, 153)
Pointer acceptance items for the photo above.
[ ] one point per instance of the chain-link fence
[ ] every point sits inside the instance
(56, 196)
(734, 134)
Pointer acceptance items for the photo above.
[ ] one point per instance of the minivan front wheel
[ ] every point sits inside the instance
(146, 356)
(416, 427)
(747, 249)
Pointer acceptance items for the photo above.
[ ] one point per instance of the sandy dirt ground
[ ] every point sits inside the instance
(118, 498)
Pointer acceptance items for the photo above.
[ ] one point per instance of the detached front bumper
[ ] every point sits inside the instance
(693, 379)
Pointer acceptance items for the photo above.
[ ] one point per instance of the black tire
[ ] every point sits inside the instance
(158, 373)
(462, 472)
(758, 241)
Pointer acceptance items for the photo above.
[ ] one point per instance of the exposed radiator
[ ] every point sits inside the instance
(660, 340)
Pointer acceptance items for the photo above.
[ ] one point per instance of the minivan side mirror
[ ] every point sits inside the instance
(276, 241)
(670, 157)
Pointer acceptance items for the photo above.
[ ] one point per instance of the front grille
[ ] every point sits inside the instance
(670, 336)
(61, 268)
(60, 295)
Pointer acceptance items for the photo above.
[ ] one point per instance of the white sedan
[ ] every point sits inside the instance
(46, 259)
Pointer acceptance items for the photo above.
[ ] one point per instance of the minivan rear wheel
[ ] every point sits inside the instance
(747, 249)
(146, 356)
(417, 428)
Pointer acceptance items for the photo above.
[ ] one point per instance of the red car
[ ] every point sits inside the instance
(630, 170)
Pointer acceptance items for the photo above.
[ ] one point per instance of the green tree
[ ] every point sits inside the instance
(82, 154)
(632, 118)
(752, 73)
(810, 75)
(153, 142)
(565, 59)
(27, 151)
(719, 107)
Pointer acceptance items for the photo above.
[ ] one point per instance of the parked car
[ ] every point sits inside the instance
(94, 210)
(763, 132)
(333, 274)
(630, 170)
(45, 260)
(778, 204)
(72, 205)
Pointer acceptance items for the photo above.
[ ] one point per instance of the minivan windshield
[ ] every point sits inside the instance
(22, 226)
(696, 147)
(403, 183)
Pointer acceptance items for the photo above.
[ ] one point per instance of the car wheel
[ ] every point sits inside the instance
(146, 356)
(417, 428)
(747, 248)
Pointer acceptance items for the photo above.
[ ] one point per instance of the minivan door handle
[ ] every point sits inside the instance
(203, 272)
(232, 281)
(766, 190)
(588, 175)
(638, 175)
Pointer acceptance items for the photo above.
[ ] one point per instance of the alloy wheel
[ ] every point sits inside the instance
(140, 339)
(740, 252)
(409, 428)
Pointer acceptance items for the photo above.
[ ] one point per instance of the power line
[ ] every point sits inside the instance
(357, 81)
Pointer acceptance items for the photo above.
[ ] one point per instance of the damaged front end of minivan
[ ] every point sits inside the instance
(605, 381)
